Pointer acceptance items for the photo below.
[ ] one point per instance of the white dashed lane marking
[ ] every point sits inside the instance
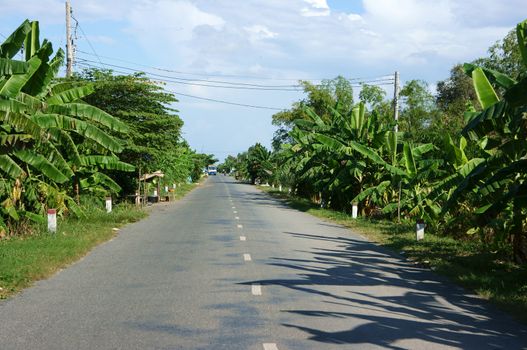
(256, 289)
(270, 346)
(240, 226)
(243, 238)
(237, 217)
(247, 257)
(235, 212)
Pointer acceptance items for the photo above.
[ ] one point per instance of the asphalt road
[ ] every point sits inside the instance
(230, 268)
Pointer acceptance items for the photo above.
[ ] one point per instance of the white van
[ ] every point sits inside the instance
(211, 170)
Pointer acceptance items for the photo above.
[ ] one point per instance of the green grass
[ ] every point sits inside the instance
(185, 188)
(466, 262)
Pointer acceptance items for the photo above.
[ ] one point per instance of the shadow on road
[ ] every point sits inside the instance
(387, 299)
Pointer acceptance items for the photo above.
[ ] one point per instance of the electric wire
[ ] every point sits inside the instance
(385, 76)
(188, 79)
(175, 81)
(225, 85)
(225, 102)
(87, 40)
(218, 101)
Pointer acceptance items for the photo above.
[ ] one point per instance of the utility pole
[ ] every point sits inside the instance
(396, 101)
(396, 129)
(69, 41)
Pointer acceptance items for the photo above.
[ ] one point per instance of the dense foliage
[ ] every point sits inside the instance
(458, 159)
(61, 139)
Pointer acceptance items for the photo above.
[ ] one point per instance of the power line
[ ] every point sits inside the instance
(201, 74)
(385, 76)
(86, 37)
(173, 80)
(199, 80)
(225, 85)
(225, 102)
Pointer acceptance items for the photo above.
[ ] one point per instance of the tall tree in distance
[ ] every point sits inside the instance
(154, 141)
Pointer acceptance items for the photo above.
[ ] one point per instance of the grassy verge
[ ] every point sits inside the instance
(185, 188)
(467, 263)
(26, 259)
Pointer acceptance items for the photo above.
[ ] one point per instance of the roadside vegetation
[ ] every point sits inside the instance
(69, 141)
(456, 160)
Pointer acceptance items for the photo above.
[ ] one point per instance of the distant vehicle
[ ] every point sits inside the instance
(211, 170)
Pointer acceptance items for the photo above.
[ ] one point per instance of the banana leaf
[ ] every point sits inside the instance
(91, 113)
(43, 165)
(71, 95)
(16, 82)
(485, 92)
(10, 67)
(107, 162)
(10, 47)
(10, 167)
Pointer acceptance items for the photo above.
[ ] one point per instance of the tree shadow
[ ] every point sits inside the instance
(388, 300)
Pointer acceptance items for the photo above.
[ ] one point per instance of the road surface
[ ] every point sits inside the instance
(230, 268)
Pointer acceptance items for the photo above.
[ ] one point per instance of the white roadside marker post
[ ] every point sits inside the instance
(137, 199)
(52, 220)
(420, 230)
(354, 210)
(108, 204)
(280, 188)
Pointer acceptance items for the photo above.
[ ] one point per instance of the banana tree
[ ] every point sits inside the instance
(499, 181)
(45, 127)
(345, 155)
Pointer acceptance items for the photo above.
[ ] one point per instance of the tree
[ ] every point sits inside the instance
(505, 57)
(335, 93)
(453, 96)
(418, 111)
(500, 181)
(154, 139)
(50, 138)
(257, 163)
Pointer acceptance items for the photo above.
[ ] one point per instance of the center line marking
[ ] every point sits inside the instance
(237, 217)
(235, 212)
(243, 238)
(240, 226)
(270, 346)
(233, 207)
(256, 289)
(247, 257)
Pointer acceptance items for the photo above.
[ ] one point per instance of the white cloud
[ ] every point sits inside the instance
(355, 17)
(259, 32)
(172, 20)
(316, 8)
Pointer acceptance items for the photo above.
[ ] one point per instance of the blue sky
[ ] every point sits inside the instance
(269, 42)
